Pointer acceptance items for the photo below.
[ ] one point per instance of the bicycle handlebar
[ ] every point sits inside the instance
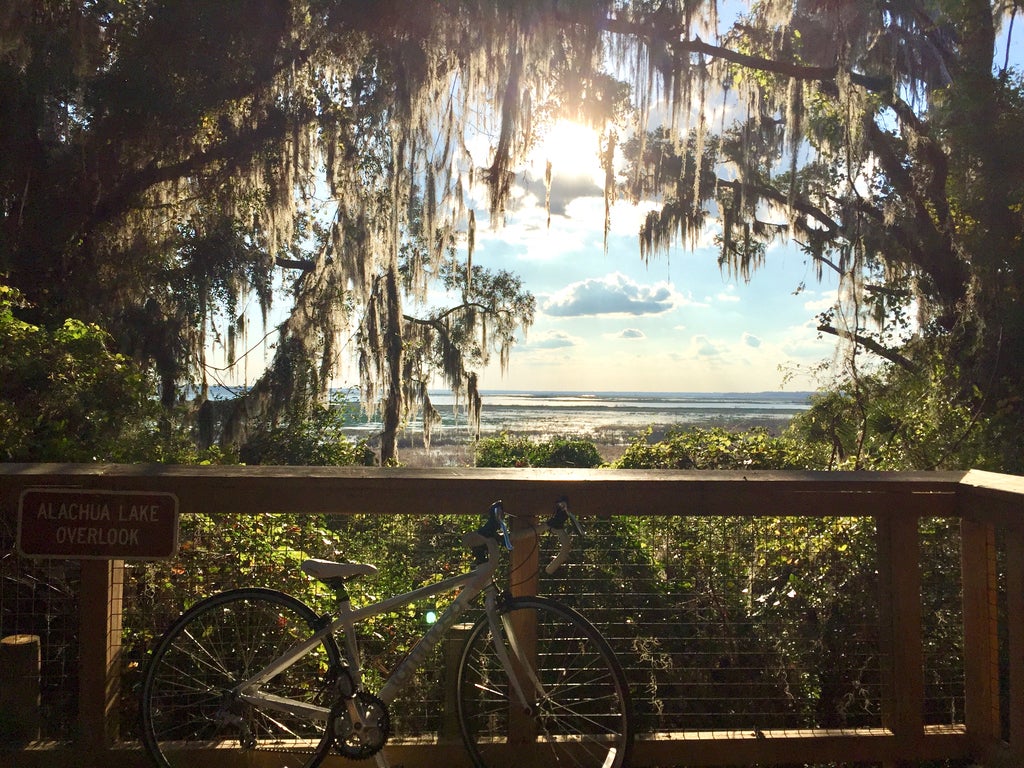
(495, 529)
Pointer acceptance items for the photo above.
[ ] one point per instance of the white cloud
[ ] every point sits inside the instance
(819, 304)
(613, 294)
(631, 333)
(705, 347)
(551, 340)
(728, 295)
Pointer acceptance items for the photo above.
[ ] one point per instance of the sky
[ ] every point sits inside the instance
(608, 321)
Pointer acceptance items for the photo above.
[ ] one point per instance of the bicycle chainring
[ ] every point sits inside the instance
(358, 742)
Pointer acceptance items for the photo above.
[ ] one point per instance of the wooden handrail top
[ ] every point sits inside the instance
(345, 490)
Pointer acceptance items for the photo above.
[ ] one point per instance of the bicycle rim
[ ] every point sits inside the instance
(186, 703)
(580, 709)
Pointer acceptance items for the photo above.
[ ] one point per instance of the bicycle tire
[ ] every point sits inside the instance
(583, 718)
(185, 703)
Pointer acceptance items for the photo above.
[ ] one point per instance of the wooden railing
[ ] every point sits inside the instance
(986, 504)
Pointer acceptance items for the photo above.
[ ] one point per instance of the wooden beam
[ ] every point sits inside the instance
(344, 490)
(690, 748)
(899, 573)
(1015, 640)
(99, 675)
(981, 642)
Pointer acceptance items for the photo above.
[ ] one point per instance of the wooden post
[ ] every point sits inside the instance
(19, 690)
(100, 657)
(524, 568)
(899, 574)
(1015, 637)
(981, 644)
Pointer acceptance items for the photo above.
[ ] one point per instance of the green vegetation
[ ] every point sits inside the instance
(308, 434)
(511, 451)
(718, 448)
(65, 395)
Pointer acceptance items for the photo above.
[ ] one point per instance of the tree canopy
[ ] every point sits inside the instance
(169, 161)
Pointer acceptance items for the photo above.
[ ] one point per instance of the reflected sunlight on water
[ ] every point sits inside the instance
(604, 416)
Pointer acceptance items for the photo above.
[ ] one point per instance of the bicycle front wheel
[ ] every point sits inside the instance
(188, 701)
(577, 709)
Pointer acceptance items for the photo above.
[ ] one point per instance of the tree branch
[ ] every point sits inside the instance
(306, 265)
(771, 193)
(434, 321)
(672, 38)
(872, 346)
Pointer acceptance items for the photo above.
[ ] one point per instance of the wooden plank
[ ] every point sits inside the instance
(525, 491)
(900, 609)
(691, 749)
(1015, 639)
(992, 498)
(981, 643)
(100, 606)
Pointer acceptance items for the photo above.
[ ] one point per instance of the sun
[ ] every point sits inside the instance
(572, 149)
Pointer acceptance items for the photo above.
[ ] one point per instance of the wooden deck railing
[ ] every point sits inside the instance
(986, 504)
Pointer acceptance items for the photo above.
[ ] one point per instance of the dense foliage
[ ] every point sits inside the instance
(308, 434)
(508, 450)
(719, 448)
(67, 395)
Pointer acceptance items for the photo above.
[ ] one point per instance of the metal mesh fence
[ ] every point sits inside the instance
(39, 624)
(722, 624)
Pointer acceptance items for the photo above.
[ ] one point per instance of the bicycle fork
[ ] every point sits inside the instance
(501, 626)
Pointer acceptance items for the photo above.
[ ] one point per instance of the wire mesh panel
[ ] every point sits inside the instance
(38, 607)
(723, 624)
(942, 634)
(737, 624)
(225, 552)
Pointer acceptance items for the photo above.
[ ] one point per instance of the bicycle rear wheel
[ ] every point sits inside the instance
(579, 700)
(187, 702)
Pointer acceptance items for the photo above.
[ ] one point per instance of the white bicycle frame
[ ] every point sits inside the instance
(473, 583)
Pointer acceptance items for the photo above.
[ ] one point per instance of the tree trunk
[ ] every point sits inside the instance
(392, 416)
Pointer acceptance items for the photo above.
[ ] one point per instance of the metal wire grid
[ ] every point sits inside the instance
(39, 600)
(942, 634)
(743, 650)
(740, 642)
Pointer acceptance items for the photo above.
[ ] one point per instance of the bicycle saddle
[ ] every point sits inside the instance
(328, 570)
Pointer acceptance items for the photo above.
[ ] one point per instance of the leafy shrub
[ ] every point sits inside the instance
(902, 420)
(64, 396)
(719, 448)
(512, 451)
(309, 435)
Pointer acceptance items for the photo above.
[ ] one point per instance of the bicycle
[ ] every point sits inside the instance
(258, 670)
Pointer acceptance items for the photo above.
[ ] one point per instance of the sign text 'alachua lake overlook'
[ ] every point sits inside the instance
(76, 523)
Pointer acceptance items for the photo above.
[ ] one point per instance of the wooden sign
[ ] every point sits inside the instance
(96, 525)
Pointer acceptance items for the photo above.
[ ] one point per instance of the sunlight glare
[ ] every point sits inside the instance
(572, 149)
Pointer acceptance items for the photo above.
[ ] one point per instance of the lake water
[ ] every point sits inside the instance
(610, 417)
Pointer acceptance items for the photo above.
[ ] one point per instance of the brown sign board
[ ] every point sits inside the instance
(97, 525)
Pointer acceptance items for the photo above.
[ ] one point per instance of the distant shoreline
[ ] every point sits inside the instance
(452, 450)
(611, 420)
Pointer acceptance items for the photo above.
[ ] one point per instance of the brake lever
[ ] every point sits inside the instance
(562, 515)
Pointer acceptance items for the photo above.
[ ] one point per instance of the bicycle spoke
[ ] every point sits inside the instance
(188, 694)
(581, 712)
